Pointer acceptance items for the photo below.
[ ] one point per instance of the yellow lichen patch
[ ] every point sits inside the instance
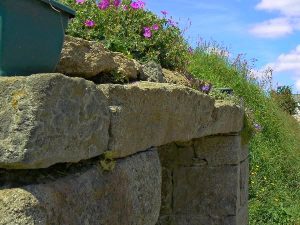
(16, 96)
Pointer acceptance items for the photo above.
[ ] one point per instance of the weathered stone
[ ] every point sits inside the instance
(50, 118)
(244, 152)
(175, 78)
(128, 195)
(128, 68)
(166, 191)
(244, 182)
(207, 191)
(152, 114)
(173, 155)
(152, 72)
(82, 58)
(243, 216)
(228, 118)
(219, 150)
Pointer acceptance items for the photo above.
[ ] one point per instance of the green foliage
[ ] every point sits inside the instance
(274, 148)
(284, 98)
(122, 30)
(108, 162)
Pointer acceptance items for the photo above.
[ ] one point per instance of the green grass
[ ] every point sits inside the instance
(274, 149)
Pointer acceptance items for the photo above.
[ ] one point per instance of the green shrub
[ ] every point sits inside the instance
(283, 97)
(137, 33)
(274, 148)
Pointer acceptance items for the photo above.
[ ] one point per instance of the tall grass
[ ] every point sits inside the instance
(275, 147)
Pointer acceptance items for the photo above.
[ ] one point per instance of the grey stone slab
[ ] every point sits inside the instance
(227, 118)
(210, 191)
(244, 152)
(243, 216)
(128, 195)
(244, 182)
(218, 150)
(166, 191)
(174, 155)
(152, 114)
(50, 118)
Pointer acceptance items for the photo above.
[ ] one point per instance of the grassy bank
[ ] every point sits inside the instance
(274, 147)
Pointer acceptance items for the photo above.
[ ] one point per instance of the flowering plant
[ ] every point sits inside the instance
(128, 27)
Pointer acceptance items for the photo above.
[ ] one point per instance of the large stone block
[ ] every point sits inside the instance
(88, 59)
(219, 150)
(174, 155)
(128, 195)
(153, 114)
(206, 191)
(227, 118)
(50, 118)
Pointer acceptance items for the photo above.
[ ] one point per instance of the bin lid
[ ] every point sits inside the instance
(60, 6)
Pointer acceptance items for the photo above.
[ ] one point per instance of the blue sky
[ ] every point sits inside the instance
(266, 30)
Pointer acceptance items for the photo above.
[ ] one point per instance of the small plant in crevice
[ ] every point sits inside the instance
(107, 161)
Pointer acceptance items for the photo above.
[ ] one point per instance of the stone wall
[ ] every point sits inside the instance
(205, 181)
(74, 152)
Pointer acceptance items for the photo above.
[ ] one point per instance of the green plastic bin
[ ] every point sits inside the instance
(31, 35)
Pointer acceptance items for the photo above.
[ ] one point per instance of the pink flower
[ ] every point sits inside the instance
(125, 7)
(104, 4)
(155, 27)
(80, 1)
(172, 23)
(190, 50)
(139, 4)
(164, 12)
(89, 23)
(117, 3)
(147, 32)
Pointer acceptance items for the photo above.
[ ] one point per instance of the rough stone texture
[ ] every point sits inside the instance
(152, 114)
(226, 150)
(244, 180)
(205, 182)
(50, 118)
(82, 58)
(216, 191)
(152, 72)
(128, 68)
(128, 195)
(228, 118)
(175, 78)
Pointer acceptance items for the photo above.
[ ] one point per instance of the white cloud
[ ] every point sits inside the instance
(288, 63)
(285, 7)
(288, 23)
(273, 28)
(297, 85)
